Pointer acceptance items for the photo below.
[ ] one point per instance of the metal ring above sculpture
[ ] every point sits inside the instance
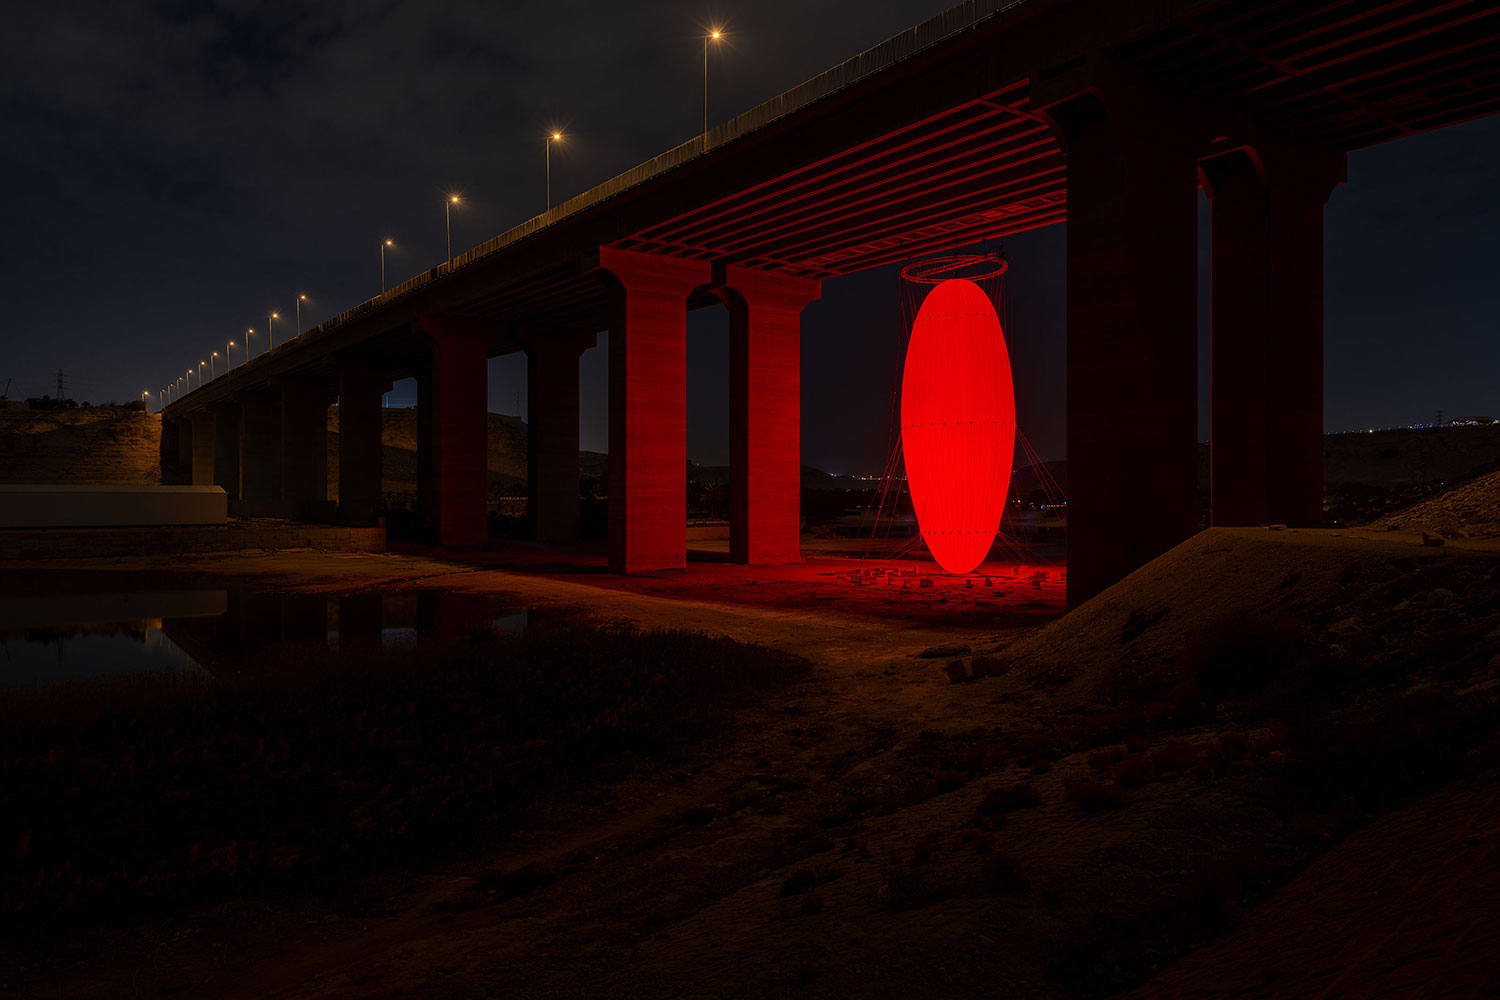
(972, 267)
(958, 422)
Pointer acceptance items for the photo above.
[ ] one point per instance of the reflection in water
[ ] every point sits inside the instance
(62, 655)
(75, 637)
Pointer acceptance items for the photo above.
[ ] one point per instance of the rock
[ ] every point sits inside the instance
(944, 649)
(1432, 541)
(1442, 595)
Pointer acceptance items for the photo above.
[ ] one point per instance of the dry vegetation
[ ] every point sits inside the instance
(1469, 509)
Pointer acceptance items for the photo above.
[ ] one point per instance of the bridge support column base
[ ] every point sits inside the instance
(304, 446)
(453, 433)
(1267, 367)
(765, 412)
(647, 405)
(260, 443)
(360, 427)
(1132, 341)
(226, 448)
(552, 436)
(203, 449)
(184, 441)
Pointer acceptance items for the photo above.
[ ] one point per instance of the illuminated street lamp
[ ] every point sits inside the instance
(448, 221)
(248, 335)
(146, 398)
(300, 299)
(189, 377)
(387, 243)
(200, 373)
(229, 357)
(211, 375)
(551, 138)
(714, 35)
(270, 331)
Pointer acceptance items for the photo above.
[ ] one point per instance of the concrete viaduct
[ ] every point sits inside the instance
(992, 118)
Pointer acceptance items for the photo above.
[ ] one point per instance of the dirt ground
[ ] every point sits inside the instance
(832, 841)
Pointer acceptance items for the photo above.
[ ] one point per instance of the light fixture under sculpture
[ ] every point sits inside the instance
(958, 423)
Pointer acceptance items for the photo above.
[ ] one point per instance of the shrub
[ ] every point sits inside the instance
(1009, 798)
(1094, 796)
(1174, 756)
(1132, 772)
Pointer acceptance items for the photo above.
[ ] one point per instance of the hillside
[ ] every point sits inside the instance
(507, 454)
(1471, 508)
(95, 445)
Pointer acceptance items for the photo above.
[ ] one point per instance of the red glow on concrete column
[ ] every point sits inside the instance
(958, 423)
(648, 406)
(765, 412)
(454, 428)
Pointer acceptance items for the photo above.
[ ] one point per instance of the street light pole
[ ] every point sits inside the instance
(211, 375)
(270, 331)
(382, 265)
(248, 334)
(713, 36)
(300, 299)
(228, 357)
(448, 221)
(554, 137)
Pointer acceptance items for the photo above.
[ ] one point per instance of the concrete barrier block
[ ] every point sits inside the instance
(42, 506)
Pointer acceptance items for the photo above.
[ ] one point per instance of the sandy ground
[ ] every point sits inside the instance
(823, 844)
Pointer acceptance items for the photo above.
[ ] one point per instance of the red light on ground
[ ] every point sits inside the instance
(958, 423)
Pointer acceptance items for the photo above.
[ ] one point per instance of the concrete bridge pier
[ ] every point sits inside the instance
(304, 445)
(360, 426)
(552, 472)
(167, 445)
(226, 452)
(1267, 367)
(184, 443)
(1132, 331)
(647, 405)
(203, 447)
(260, 449)
(765, 411)
(453, 431)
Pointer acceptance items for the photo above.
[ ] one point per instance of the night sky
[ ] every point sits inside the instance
(175, 171)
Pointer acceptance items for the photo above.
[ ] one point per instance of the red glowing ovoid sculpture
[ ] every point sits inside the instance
(958, 423)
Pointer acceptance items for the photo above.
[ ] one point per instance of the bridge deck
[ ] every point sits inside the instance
(924, 142)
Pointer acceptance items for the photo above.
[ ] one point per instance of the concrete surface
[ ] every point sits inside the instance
(28, 506)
